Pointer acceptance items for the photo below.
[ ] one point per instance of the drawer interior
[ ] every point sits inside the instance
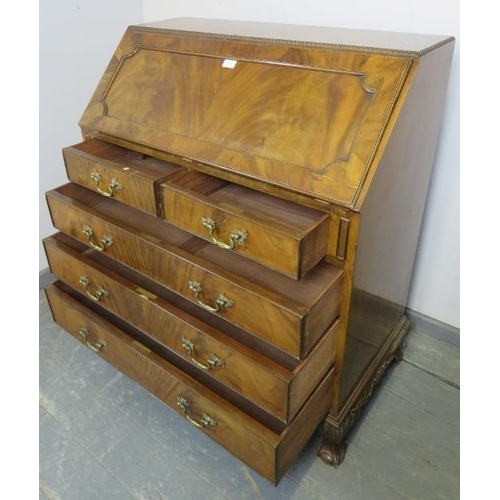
(247, 202)
(127, 159)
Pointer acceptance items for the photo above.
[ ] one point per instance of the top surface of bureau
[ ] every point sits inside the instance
(308, 117)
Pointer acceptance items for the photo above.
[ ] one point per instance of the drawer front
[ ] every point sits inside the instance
(279, 391)
(115, 172)
(269, 452)
(245, 221)
(289, 326)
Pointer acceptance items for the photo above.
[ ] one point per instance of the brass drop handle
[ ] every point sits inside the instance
(206, 420)
(100, 345)
(113, 186)
(221, 302)
(235, 236)
(106, 240)
(100, 293)
(212, 362)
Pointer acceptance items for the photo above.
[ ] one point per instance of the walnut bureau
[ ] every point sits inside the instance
(241, 219)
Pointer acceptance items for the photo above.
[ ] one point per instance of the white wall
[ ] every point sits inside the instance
(435, 289)
(77, 40)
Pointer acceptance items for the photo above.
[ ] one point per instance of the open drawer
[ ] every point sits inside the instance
(169, 320)
(269, 451)
(290, 315)
(280, 234)
(115, 172)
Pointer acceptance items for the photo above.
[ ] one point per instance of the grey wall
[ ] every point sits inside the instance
(77, 40)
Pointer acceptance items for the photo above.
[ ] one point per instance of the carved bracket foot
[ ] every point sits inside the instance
(335, 427)
(332, 453)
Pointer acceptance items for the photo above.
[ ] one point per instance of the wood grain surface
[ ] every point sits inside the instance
(139, 175)
(291, 315)
(308, 118)
(277, 390)
(282, 235)
(250, 441)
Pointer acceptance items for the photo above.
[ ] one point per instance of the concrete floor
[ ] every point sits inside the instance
(103, 437)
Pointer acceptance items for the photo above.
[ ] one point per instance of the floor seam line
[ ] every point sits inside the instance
(180, 458)
(434, 374)
(135, 497)
(91, 454)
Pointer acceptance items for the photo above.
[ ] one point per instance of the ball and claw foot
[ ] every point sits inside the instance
(332, 453)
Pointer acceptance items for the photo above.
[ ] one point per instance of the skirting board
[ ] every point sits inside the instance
(432, 327)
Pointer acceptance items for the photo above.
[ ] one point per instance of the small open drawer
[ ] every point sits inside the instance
(280, 234)
(115, 172)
